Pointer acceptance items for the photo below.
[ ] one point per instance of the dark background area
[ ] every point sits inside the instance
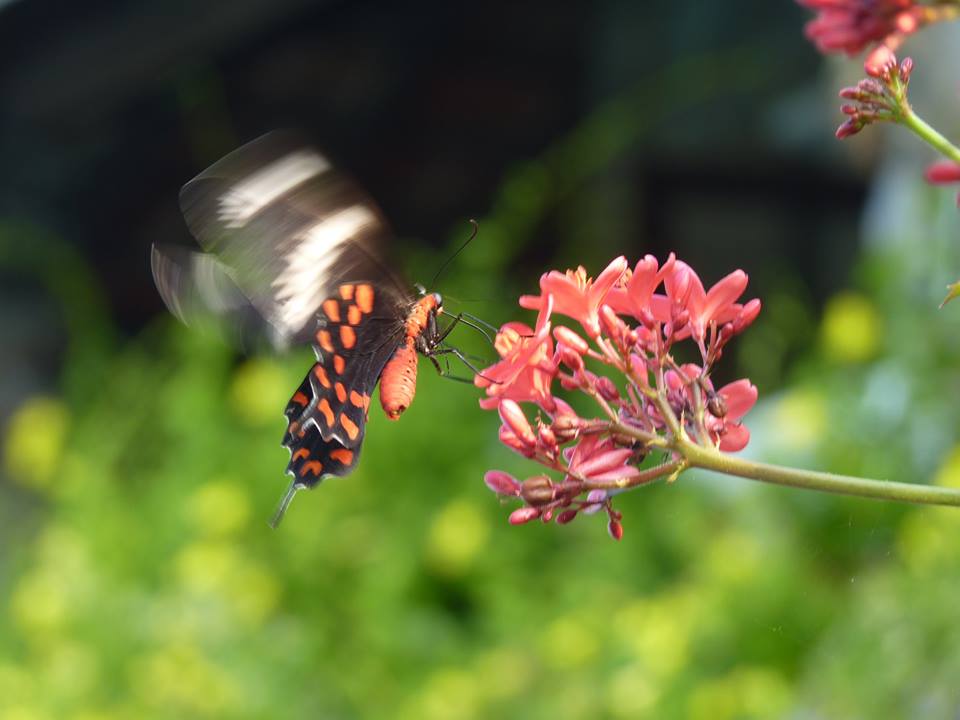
(111, 106)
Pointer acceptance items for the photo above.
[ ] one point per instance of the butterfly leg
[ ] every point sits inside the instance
(459, 355)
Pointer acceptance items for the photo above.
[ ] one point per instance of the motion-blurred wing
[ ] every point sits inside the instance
(200, 292)
(286, 228)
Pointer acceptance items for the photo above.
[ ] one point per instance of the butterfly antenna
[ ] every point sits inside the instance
(473, 234)
(285, 503)
(478, 328)
(479, 321)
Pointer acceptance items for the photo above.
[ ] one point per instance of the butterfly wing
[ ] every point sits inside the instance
(361, 327)
(279, 227)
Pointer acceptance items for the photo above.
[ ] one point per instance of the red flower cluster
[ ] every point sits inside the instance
(654, 404)
(851, 25)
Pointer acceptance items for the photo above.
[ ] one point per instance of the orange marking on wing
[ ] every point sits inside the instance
(331, 308)
(321, 374)
(341, 392)
(350, 426)
(366, 404)
(342, 455)
(314, 466)
(365, 297)
(300, 399)
(323, 339)
(346, 292)
(324, 407)
(348, 336)
(354, 314)
(301, 453)
(356, 398)
(339, 364)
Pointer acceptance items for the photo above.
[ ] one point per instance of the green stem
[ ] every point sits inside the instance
(710, 459)
(930, 135)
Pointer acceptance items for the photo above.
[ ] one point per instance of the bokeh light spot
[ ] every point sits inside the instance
(851, 328)
(34, 441)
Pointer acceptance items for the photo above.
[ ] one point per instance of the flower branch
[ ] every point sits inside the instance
(648, 403)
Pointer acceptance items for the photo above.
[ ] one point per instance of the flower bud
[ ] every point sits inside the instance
(537, 490)
(508, 438)
(568, 337)
(501, 483)
(523, 515)
(566, 427)
(570, 357)
(607, 389)
(546, 439)
(613, 326)
(906, 67)
(547, 515)
(566, 516)
(512, 415)
(717, 406)
(615, 528)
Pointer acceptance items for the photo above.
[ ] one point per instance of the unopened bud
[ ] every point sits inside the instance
(523, 515)
(537, 490)
(615, 528)
(547, 515)
(567, 336)
(607, 389)
(906, 67)
(508, 438)
(546, 438)
(613, 326)
(566, 516)
(512, 415)
(501, 483)
(717, 406)
(565, 427)
(570, 357)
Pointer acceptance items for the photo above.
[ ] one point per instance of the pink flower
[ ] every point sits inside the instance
(738, 398)
(527, 369)
(850, 25)
(576, 295)
(593, 458)
(725, 408)
(635, 296)
(703, 308)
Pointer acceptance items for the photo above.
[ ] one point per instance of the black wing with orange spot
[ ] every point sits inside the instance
(360, 328)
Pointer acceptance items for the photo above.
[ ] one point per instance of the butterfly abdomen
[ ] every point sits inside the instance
(398, 384)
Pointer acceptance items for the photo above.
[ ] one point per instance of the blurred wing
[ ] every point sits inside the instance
(287, 228)
(200, 292)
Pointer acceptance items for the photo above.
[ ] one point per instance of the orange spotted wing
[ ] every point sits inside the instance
(360, 328)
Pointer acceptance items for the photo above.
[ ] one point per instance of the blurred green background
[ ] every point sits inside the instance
(141, 462)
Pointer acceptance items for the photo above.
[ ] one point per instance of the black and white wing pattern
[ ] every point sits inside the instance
(280, 230)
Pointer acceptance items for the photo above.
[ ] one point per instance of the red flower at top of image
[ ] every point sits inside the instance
(851, 25)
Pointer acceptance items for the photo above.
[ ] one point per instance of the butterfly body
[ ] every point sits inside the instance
(293, 251)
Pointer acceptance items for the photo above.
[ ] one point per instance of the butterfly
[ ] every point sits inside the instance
(292, 250)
